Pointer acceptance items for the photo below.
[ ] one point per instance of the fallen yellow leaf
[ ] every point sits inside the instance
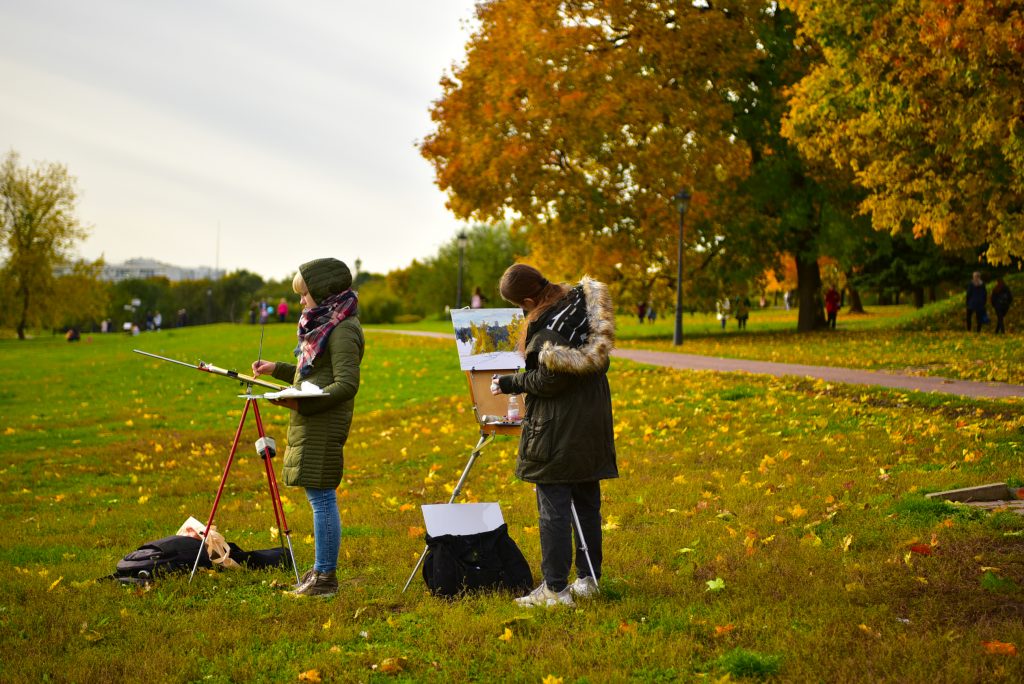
(392, 665)
(999, 648)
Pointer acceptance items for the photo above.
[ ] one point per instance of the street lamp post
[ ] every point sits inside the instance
(462, 240)
(682, 200)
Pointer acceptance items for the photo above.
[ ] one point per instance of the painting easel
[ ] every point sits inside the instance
(485, 406)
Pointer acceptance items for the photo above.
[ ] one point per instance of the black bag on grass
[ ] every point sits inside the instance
(455, 564)
(177, 553)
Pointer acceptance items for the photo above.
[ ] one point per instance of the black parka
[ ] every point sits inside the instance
(568, 435)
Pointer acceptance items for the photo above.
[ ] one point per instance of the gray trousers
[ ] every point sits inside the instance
(558, 533)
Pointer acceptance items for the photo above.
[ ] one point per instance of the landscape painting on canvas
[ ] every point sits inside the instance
(487, 339)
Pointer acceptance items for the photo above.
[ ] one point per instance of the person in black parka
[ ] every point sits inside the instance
(975, 299)
(568, 442)
(1002, 297)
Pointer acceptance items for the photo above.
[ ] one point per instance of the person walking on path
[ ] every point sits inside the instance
(328, 355)
(641, 311)
(742, 312)
(282, 310)
(478, 300)
(723, 310)
(1002, 297)
(568, 442)
(975, 300)
(832, 306)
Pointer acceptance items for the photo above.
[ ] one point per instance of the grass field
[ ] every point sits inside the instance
(761, 528)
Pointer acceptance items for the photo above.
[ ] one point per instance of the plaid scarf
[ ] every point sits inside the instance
(316, 324)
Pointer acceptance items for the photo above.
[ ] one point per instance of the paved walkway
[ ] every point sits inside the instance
(964, 388)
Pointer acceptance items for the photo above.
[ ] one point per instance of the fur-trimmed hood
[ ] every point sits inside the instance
(593, 354)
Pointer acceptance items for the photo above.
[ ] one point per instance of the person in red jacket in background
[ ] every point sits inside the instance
(832, 306)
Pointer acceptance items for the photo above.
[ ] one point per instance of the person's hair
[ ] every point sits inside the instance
(521, 282)
(299, 284)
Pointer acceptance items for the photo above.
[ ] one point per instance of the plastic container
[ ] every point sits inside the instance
(513, 409)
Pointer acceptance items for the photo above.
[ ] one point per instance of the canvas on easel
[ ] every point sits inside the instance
(487, 342)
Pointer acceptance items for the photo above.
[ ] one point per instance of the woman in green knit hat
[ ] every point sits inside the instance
(329, 351)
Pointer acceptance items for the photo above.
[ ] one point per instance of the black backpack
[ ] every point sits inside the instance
(177, 553)
(456, 564)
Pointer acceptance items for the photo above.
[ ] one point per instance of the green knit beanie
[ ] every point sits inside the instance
(325, 277)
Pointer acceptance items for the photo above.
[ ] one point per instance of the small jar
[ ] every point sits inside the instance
(513, 409)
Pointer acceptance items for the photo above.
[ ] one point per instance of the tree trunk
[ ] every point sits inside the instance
(23, 318)
(812, 311)
(933, 294)
(855, 304)
(918, 297)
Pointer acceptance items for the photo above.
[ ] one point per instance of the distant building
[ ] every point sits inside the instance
(151, 268)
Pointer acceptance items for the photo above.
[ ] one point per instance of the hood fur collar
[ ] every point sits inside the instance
(593, 355)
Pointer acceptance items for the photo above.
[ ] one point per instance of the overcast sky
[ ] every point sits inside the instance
(290, 126)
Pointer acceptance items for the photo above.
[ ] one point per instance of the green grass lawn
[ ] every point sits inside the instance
(761, 528)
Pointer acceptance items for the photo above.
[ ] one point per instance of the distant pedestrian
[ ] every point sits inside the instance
(282, 310)
(723, 307)
(1001, 300)
(742, 312)
(832, 302)
(652, 315)
(265, 310)
(158, 320)
(478, 300)
(641, 311)
(975, 301)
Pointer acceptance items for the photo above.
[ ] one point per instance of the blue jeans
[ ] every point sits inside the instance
(326, 528)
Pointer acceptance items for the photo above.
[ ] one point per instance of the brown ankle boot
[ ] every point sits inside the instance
(318, 584)
(302, 580)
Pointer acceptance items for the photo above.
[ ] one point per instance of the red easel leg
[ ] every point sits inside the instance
(275, 494)
(223, 480)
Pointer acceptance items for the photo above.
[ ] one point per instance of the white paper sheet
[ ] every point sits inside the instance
(306, 389)
(470, 518)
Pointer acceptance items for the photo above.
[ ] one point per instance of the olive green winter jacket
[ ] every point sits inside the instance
(318, 430)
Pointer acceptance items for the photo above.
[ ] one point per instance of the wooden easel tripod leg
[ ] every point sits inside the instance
(271, 480)
(485, 439)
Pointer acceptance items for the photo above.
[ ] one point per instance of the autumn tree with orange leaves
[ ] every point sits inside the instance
(921, 101)
(581, 120)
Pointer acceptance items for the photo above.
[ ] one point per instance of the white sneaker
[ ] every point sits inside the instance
(584, 588)
(542, 596)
